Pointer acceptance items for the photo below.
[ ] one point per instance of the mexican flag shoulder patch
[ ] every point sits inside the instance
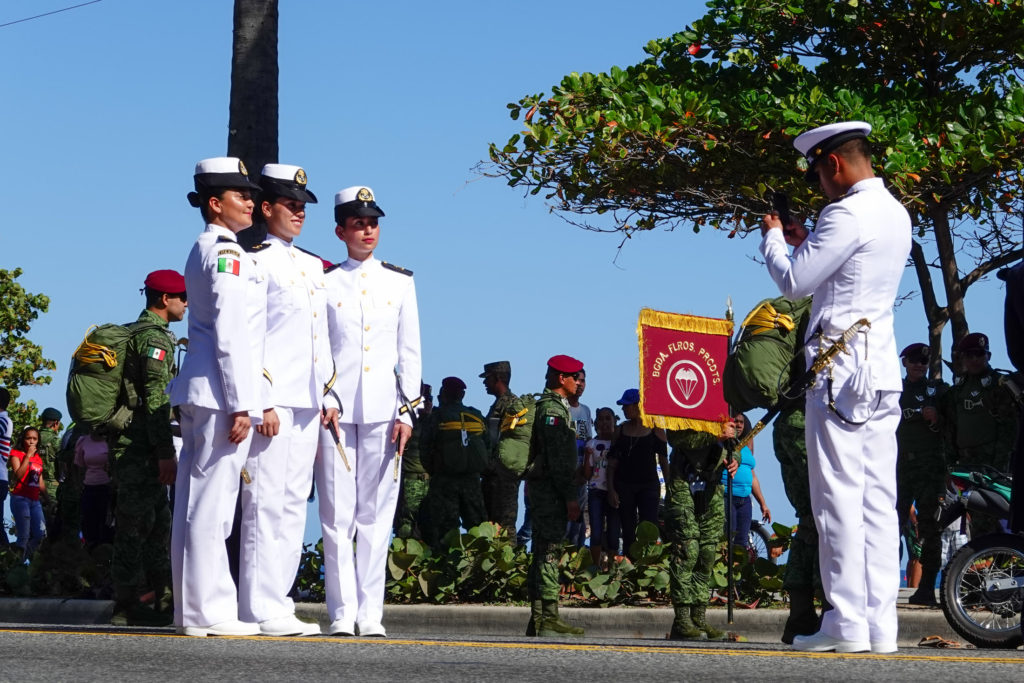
(552, 421)
(155, 353)
(227, 264)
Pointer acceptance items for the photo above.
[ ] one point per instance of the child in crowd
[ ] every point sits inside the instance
(604, 519)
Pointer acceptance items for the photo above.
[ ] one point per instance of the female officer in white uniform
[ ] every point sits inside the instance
(375, 340)
(219, 395)
(297, 360)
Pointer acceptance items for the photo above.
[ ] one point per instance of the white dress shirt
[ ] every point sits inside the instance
(375, 331)
(852, 264)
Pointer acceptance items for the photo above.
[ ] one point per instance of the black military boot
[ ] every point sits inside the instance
(683, 627)
(803, 619)
(925, 593)
(697, 616)
(551, 625)
(536, 615)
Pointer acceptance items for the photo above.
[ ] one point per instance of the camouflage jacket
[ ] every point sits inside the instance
(553, 445)
(981, 413)
(914, 433)
(150, 365)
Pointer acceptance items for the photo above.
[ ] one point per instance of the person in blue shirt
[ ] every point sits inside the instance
(744, 484)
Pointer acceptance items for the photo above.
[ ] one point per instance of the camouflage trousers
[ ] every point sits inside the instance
(921, 481)
(142, 556)
(693, 525)
(453, 498)
(788, 439)
(409, 517)
(69, 509)
(501, 496)
(549, 522)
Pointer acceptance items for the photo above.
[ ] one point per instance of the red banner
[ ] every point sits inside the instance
(682, 358)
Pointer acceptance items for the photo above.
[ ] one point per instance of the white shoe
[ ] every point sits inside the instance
(372, 629)
(883, 648)
(288, 626)
(340, 627)
(822, 642)
(224, 628)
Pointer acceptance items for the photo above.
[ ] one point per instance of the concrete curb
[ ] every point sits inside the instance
(757, 626)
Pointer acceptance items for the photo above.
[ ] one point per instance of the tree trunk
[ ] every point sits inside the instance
(252, 126)
(935, 314)
(950, 272)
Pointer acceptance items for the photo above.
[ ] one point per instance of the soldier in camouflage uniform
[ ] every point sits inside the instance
(552, 493)
(454, 449)
(980, 414)
(410, 515)
(802, 579)
(694, 518)
(144, 461)
(49, 449)
(500, 485)
(921, 465)
(979, 410)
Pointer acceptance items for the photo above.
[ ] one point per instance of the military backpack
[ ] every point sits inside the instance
(99, 396)
(767, 354)
(515, 432)
(461, 447)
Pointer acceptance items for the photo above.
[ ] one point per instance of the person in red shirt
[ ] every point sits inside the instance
(27, 485)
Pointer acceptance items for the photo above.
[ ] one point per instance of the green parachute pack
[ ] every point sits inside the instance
(100, 397)
(767, 354)
(515, 432)
(461, 442)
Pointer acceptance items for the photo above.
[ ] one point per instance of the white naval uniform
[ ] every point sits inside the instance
(852, 264)
(219, 376)
(374, 328)
(297, 359)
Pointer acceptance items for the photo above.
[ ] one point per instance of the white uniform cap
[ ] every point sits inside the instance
(823, 139)
(357, 200)
(219, 173)
(285, 180)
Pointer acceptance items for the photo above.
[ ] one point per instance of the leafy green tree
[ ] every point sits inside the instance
(21, 361)
(698, 133)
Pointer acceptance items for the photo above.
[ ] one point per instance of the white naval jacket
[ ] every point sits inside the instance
(226, 326)
(375, 330)
(297, 354)
(852, 264)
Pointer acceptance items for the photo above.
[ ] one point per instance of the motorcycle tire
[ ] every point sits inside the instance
(758, 543)
(983, 590)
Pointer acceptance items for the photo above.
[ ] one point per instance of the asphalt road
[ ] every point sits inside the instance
(106, 654)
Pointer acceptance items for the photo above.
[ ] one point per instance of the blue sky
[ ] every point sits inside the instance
(108, 107)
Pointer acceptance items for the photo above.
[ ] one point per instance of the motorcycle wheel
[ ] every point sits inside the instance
(983, 589)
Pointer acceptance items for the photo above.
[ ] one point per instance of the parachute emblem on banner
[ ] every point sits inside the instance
(686, 380)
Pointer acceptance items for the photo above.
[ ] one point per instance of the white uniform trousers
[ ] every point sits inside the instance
(359, 504)
(274, 514)
(206, 490)
(853, 495)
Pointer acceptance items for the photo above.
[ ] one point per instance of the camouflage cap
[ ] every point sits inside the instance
(502, 366)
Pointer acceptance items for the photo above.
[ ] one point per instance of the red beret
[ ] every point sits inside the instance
(166, 281)
(564, 364)
(452, 384)
(915, 351)
(975, 341)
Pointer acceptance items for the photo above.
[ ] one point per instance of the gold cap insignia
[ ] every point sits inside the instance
(364, 195)
(300, 177)
(241, 168)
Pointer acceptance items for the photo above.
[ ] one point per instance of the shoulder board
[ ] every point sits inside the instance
(257, 247)
(328, 269)
(306, 251)
(397, 269)
(327, 265)
(222, 238)
(841, 198)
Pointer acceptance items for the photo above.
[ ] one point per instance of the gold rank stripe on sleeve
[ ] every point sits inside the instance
(397, 269)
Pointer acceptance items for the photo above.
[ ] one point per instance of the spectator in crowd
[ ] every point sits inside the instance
(6, 432)
(604, 519)
(92, 457)
(581, 417)
(633, 461)
(744, 485)
(27, 475)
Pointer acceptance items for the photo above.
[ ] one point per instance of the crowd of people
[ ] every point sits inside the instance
(300, 370)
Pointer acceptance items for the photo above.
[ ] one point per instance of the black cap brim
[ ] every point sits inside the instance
(271, 187)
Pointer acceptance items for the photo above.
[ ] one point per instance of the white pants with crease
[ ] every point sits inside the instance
(357, 505)
(853, 495)
(274, 506)
(206, 490)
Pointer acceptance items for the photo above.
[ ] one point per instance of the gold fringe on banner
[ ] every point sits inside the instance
(683, 323)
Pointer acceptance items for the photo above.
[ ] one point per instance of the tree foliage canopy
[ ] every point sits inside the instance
(698, 132)
(21, 361)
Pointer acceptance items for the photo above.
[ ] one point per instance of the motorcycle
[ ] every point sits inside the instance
(982, 587)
